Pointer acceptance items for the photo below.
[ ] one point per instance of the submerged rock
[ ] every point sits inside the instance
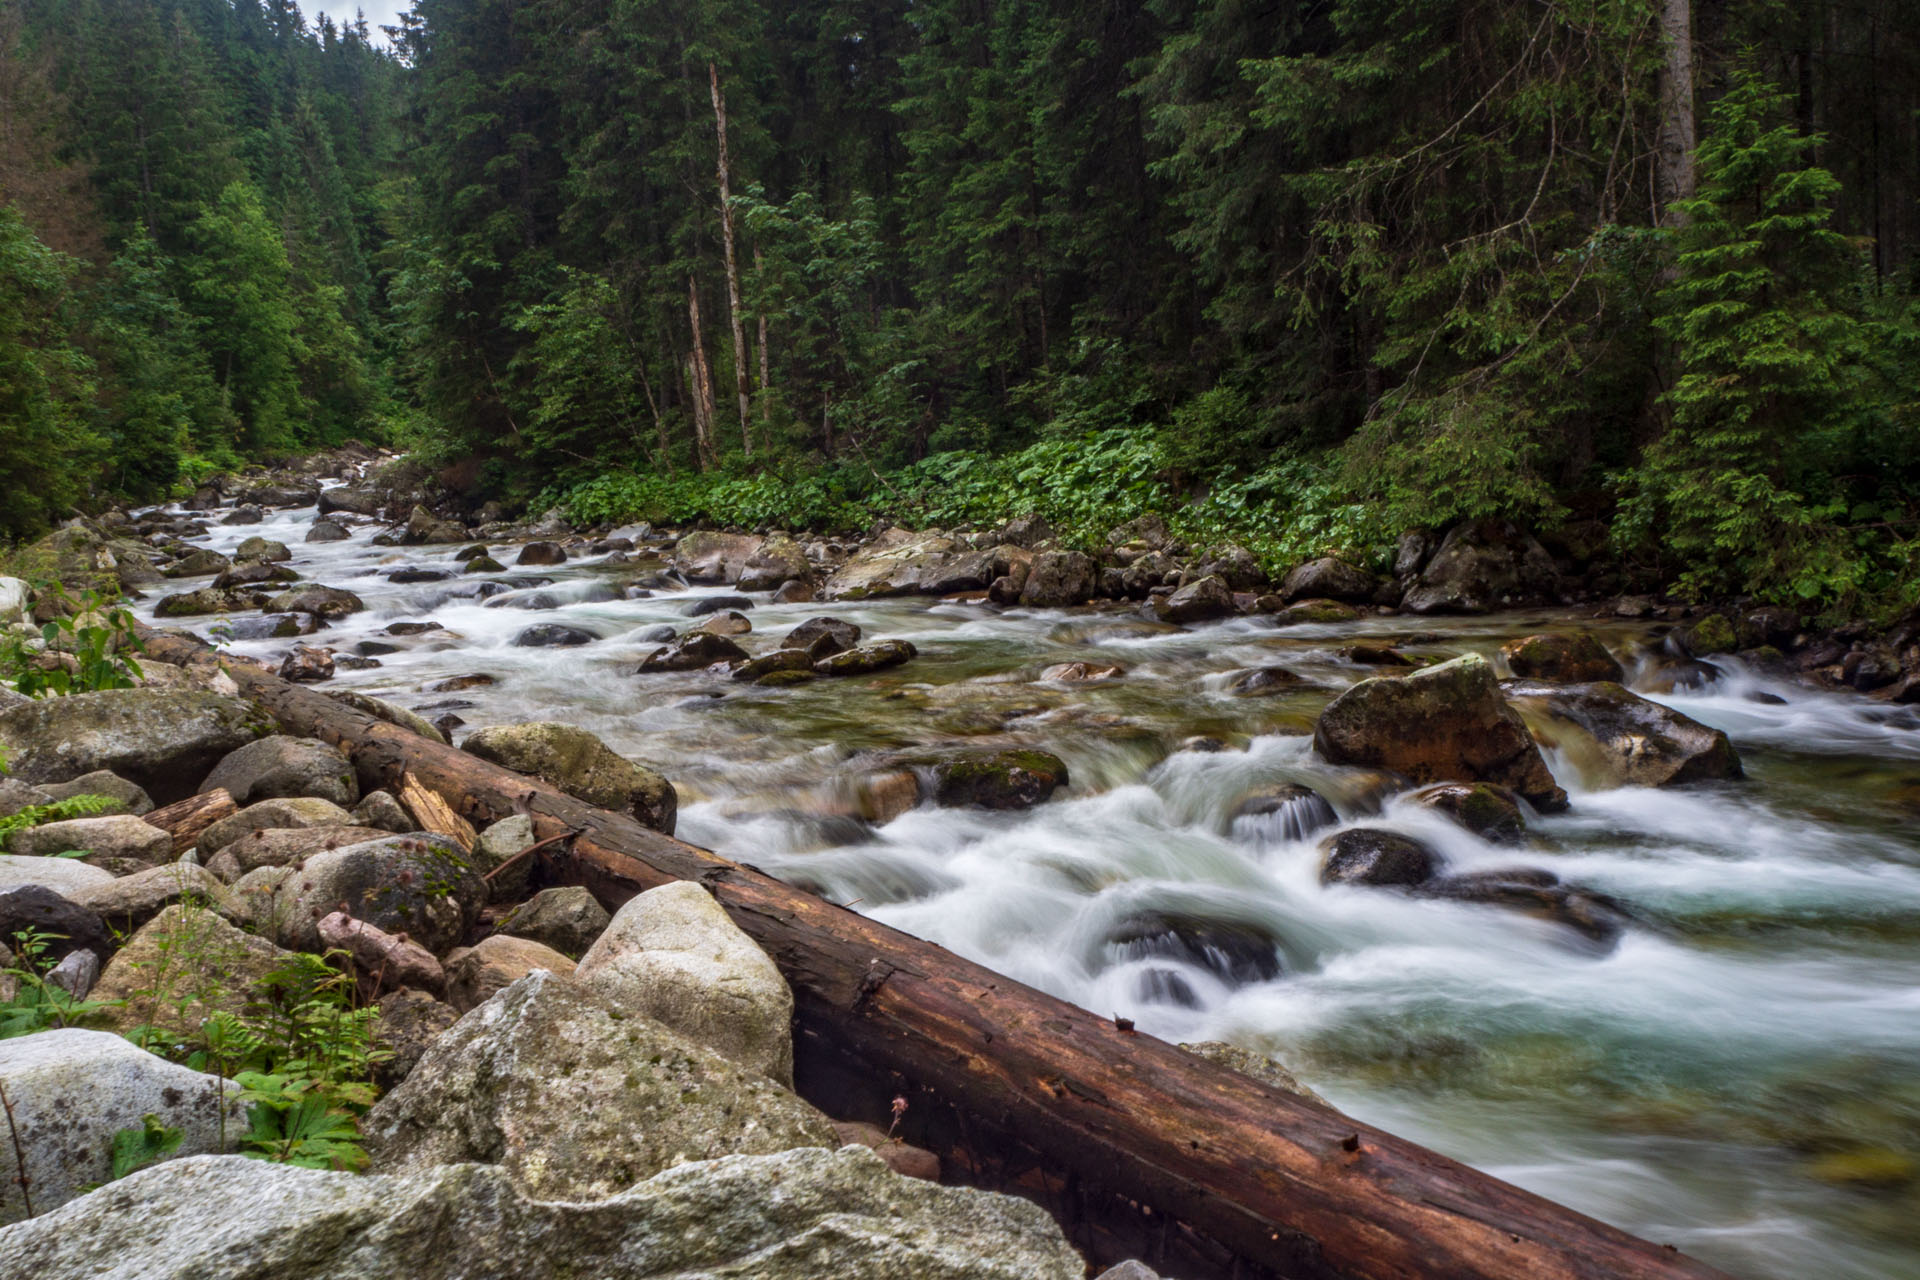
(1257, 1066)
(1285, 811)
(867, 659)
(1236, 952)
(1018, 778)
(1487, 809)
(692, 652)
(797, 1215)
(1447, 723)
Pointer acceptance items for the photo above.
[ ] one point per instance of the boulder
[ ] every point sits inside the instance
(1321, 613)
(1281, 812)
(1482, 565)
(16, 795)
(131, 901)
(70, 927)
(567, 919)
(120, 836)
(795, 592)
(288, 813)
(409, 1023)
(1447, 723)
(1617, 738)
(553, 635)
(248, 514)
(181, 967)
(714, 557)
(194, 604)
(867, 659)
(1329, 578)
(130, 797)
(1561, 658)
(60, 875)
(638, 1097)
(278, 767)
(306, 665)
(263, 549)
(1082, 673)
(70, 1091)
(1011, 779)
(730, 623)
(1198, 601)
(424, 886)
(354, 499)
(1236, 952)
(424, 528)
(1263, 682)
(716, 604)
(1371, 856)
(897, 563)
(327, 531)
(198, 563)
(692, 652)
(1597, 917)
(1487, 809)
(1059, 579)
(380, 809)
(823, 637)
(538, 553)
(475, 974)
(1238, 567)
(797, 1215)
(777, 561)
(384, 960)
(581, 765)
(769, 663)
(673, 955)
(321, 602)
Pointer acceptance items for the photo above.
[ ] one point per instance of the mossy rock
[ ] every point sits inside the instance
(1881, 1167)
(1561, 658)
(1712, 634)
(1018, 778)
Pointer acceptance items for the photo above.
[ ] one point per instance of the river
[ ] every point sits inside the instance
(1738, 1077)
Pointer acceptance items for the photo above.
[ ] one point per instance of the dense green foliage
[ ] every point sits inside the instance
(188, 193)
(1304, 274)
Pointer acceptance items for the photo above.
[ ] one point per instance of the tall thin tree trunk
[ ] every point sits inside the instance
(766, 361)
(733, 266)
(702, 376)
(1675, 156)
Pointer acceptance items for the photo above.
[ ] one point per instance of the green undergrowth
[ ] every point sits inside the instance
(1288, 510)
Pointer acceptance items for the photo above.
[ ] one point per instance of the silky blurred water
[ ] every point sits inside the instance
(1737, 1077)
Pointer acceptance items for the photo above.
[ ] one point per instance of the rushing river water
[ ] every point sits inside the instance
(1739, 1076)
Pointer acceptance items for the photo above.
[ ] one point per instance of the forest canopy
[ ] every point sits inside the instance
(1640, 274)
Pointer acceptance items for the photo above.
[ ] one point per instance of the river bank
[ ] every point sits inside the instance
(1717, 1076)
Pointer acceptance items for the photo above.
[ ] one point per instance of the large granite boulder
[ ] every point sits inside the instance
(162, 740)
(476, 974)
(581, 765)
(1617, 738)
(1448, 723)
(1482, 565)
(673, 955)
(578, 1097)
(422, 885)
(897, 563)
(279, 766)
(715, 557)
(796, 1215)
(1197, 601)
(69, 1091)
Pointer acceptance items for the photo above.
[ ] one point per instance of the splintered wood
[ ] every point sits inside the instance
(434, 814)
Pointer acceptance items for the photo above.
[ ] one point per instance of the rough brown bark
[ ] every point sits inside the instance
(702, 378)
(187, 819)
(1289, 1187)
(1674, 160)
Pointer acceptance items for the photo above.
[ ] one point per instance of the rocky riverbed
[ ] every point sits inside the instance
(1613, 900)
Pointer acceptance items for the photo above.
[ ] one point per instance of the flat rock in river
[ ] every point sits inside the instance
(1618, 738)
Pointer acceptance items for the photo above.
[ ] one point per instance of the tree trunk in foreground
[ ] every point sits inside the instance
(1273, 1183)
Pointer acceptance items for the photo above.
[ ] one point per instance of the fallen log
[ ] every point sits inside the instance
(1284, 1185)
(185, 820)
